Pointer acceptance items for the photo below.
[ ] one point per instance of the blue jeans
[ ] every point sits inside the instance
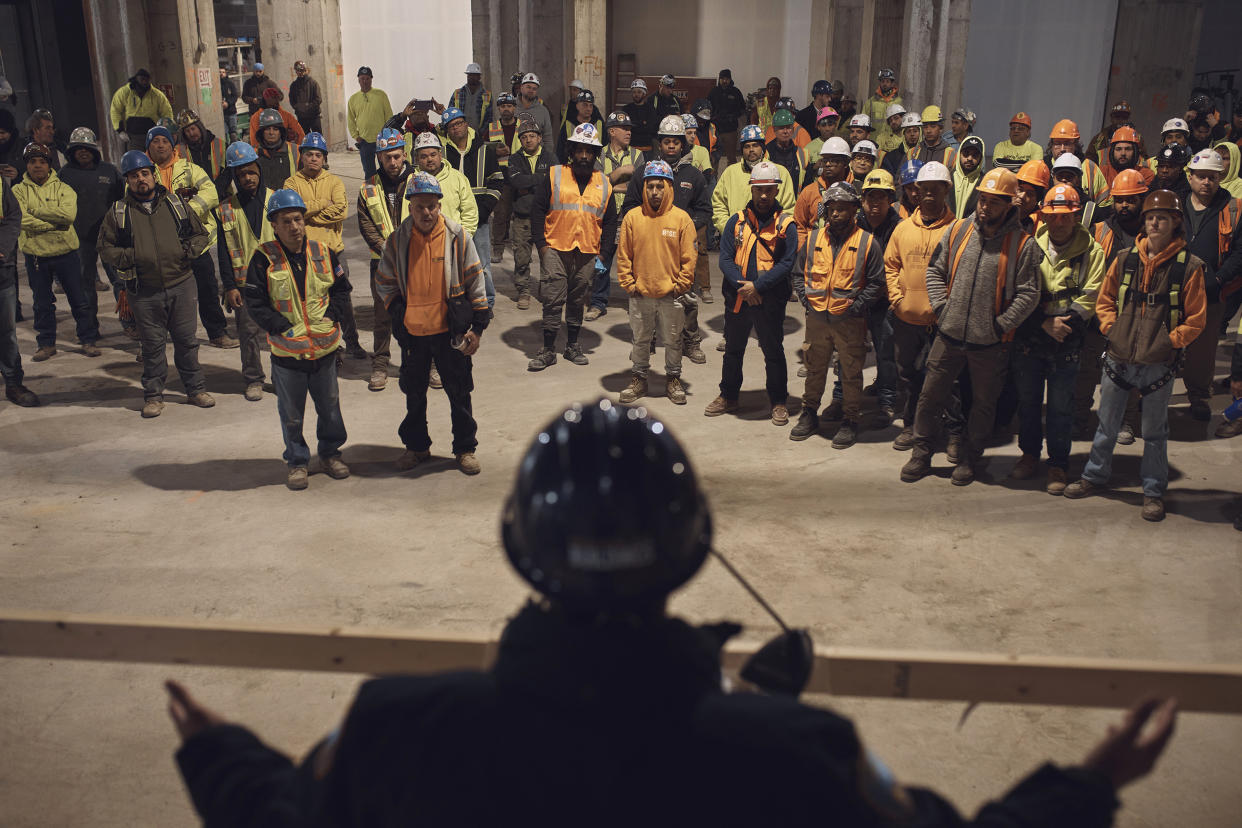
(601, 285)
(881, 328)
(67, 267)
(10, 356)
(291, 389)
(483, 245)
(366, 151)
(1033, 370)
(1155, 409)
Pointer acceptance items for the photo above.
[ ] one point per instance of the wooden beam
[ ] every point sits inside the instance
(839, 671)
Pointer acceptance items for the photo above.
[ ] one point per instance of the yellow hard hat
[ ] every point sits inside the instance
(879, 180)
(931, 115)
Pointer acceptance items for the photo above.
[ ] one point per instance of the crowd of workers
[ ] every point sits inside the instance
(988, 287)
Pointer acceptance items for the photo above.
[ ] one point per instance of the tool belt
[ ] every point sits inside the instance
(1125, 385)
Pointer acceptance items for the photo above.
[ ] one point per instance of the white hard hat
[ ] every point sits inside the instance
(672, 125)
(764, 173)
(427, 140)
(861, 121)
(866, 148)
(934, 171)
(577, 84)
(474, 69)
(835, 146)
(587, 134)
(1175, 124)
(1067, 160)
(894, 109)
(530, 77)
(638, 83)
(1206, 160)
(911, 119)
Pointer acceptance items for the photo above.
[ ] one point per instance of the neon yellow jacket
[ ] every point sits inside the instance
(733, 192)
(458, 202)
(186, 173)
(1085, 275)
(366, 114)
(126, 103)
(1230, 180)
(48, 211)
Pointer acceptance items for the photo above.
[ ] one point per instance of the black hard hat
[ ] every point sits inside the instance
(1174, 154)
(606, 513)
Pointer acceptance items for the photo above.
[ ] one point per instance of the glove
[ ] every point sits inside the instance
(600, 269)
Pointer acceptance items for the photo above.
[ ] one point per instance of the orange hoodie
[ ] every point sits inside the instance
(656, 253)
(910, 248)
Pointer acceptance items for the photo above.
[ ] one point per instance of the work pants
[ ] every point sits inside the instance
(209, 308)
(292, 385)
(455, 368)
(988, 366)
(1200, 366)
(647, 315)
(1056, 370)
(564, 285)
(845, 335)
(168, 313)
(768, 321)
(1154, 468)
(42, 271)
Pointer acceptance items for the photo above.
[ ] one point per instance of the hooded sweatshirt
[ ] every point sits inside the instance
(909, 249)
(48, 211)
(1070, 279)
(1230, 181)
(732, 193)
(326, 206)
(97, 187)
(656, 252)
(962, 196)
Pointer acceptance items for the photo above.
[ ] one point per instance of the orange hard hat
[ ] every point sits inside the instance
(1128, 183)
(1125, 134)
(1035, 172)
(999, 182)
(1061, 199)
(1065, 129)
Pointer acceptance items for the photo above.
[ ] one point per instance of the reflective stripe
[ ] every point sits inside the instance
(239, 236)
(376, 199)
(825, 267)
(313, 334)
(1006, 269)
(575, 219)
(746, 240)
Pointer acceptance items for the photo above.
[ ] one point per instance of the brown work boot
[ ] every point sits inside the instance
(410, 458)
(1080, 488)
(719, 406)
(593, 313)
(523, 302)
(468, 463)
(1025, 468)
(90, 349)
(780, 415)
(298, 478)
(224, 341)
(637, 388)
(153, 407)
(254, 391)
(1056, 481)
(21, 395)
(963, 474)
(953, 449)
(433, 379)
(846, 436)
(1153, 509)
(201, 399)
(334, 467)
(694, 353)
(917, 467)
(1227, 428)
(44, 353)
(905, 440)
(379, 380)
(676, 391)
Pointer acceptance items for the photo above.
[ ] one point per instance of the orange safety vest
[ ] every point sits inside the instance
(1225, 222)
(311, 334)
(834, 280)
(746, 240)
(216, 155)
(576, 219)
(1006, 270)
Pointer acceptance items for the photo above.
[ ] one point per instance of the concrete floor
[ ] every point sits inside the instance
(187, 516)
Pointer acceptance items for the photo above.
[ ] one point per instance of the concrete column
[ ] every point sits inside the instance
(182, 43)
(116, 39)
(865, 43)
(524, 13)
(589, 46)
(917, 44)
(292, 30)
(821, 33)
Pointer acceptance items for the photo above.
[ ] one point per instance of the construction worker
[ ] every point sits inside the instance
(1066, 140)
(763, 105)
(878, 105)
(583, 113)
(293, 291)
(190, 182)
(472, 99)
(569, 107)
(476, 160)
(618, 162)
(825, 128)
(912, 322)
(97, 185)
(889, 136)
(967, 173)
(271, 103)
(1123, 154)
(49, 244)
(198, 144)
(136, 107)
(1231, 157)
(367, 112)
(656, 256)
(863, 157)
(243, 227)
(255, 86)
(1019, 149)
(643, 122)
(573, 224)
(277, 155)
(153, 238)
(228, 103)
(1034, 179)
(502, 134)
(457, 198)
(834, 166)
(1213, 233)
(911, 193)
(860, 129)
(382, 207)
(700, 155)
(527, 169)
(808, 115)
(733, 190)
(758, 251)
(1049, 343)
(841, 278)
(664, 102)
(1152, 307)
(799, 136)
(1118, 116)
(911, 134)
(1170, 162)
(781, 149)
(15, 390)
(933, 147)
(961, 126)
(728, 108)
(982, 282)
(306, 98)
(1175, 131)
(531, 107)
(431, 281)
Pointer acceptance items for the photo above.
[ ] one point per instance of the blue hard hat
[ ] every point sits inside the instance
(284, 200)
(135, 160)
(451, 114)
(821, 87)
(156, 131)
(751, 132)
(910, 172)
(239, 154)
(658, 169)
(314, 140)
(389, 138)
(421, 183)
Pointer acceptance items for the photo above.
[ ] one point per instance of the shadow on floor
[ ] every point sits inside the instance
(528, 338)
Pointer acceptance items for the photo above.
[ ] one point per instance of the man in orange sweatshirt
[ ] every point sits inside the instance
(1151, 307)
(656, 258)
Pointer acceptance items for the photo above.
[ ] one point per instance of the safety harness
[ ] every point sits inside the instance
(1126, 292)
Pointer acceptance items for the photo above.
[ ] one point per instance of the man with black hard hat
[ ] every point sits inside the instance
(600, 708)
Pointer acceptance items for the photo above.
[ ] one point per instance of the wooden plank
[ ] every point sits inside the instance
(839, 671)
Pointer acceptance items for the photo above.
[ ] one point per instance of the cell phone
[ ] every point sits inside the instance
(421, 104)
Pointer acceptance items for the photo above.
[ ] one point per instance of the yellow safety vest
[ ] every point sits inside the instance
(496, 133)
(377, 209)
(240, 238)
(311, 334)
(576, 219)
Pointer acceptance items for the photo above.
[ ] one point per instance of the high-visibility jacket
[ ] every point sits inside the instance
(1094, 184)
(239, 235)
(215, 155)
(834, 279)
(576, 219)
(764, 114)
(747, 241)
(458, 98)
(732, 193)
(185, 173)
(377, 208)
(608, 163)
(1072, 284)
(127, 104)
(48, 211)
(311, 333)
(496, 133)
(1007, 262)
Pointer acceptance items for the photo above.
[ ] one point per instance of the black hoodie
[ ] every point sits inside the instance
(97, 187)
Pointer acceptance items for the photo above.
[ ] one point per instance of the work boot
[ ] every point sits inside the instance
(917, 467)
(872, 390)
(101, 286)
(719, 406)
(153, 407)
(1153, 509)
(574, 354)
(44, 353)
(1025, 468)
(433, 379)
(1125, 435)
(637, 388)
(720, 346)
(298, 478)
(835, 411)
(846, 436)
(355, 351)
(541, 360)
(693, 352)
(593, 313)
(379, 380)
(410, 458)
(953, 449)
(888, 413)
(1056, 481)
(705, 295)
(802, 372)
(963, 474)
(780, 415)
(676, 391)
(468, 463)
(1081, 488)
(1225, 429)
(1200, 410)
(90, 349)
(523, 301)
(254, 391)
(224, 341)
(201, 399)
(498, 253)
(334, 467)
(808, 424)
(21, 395)
(905, 440)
